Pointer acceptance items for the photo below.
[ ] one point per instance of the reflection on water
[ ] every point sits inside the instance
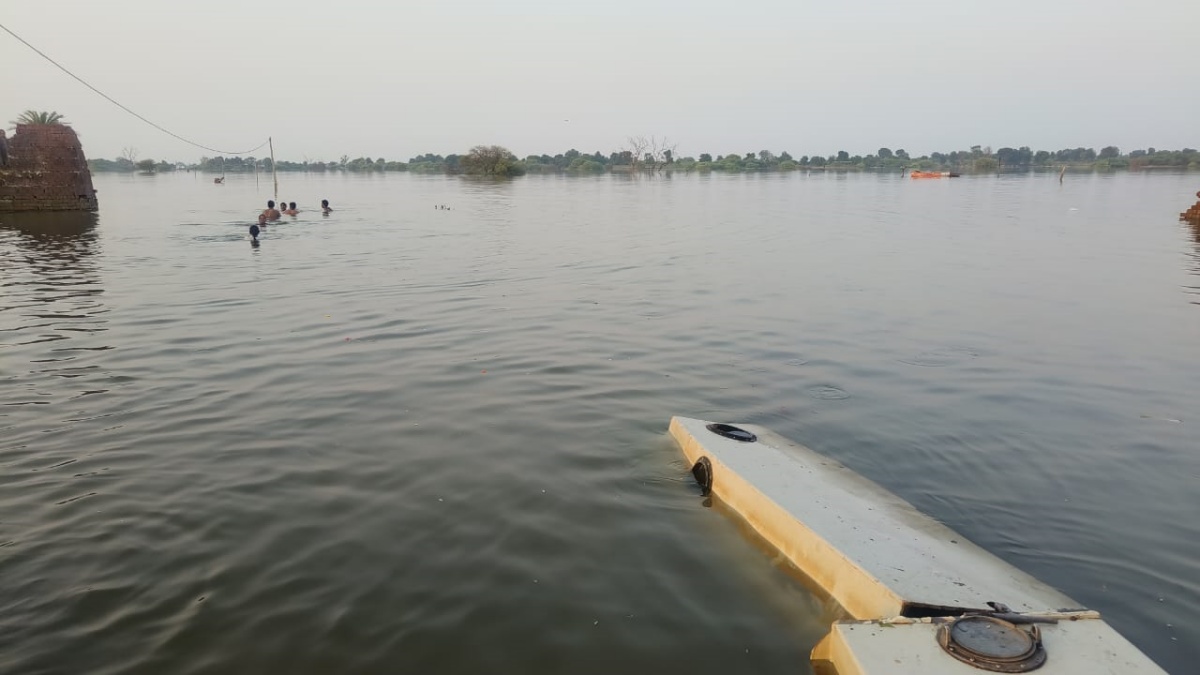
(52, 311)
(1194, 255)
(399, 438)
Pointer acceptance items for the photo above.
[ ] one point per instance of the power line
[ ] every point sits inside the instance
(114, 102)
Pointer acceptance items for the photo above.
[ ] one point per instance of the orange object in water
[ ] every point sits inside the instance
(931, 174)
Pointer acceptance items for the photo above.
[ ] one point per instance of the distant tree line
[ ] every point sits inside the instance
(498, 161)
(125, 165)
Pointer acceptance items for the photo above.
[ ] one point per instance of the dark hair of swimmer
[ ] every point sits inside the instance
(270, 203)
(292, 205)
(324, 203)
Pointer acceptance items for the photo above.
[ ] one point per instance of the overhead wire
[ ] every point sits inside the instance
(122, 107)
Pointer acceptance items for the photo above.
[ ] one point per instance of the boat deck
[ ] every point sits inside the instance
(877, 554)
(900, 574)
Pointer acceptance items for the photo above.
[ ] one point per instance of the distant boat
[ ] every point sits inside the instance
(934, 174)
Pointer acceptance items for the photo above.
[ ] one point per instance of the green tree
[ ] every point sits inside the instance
(902, 154)
(1111, 152)
(491, 160)
(705, 157)
(40, 117)
(585, 165)
(361, 164)
(885, 153)
(146, 165)
(843, 156)
(731, 162)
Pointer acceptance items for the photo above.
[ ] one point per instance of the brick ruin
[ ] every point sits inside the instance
(1192, 215)
(42, 168)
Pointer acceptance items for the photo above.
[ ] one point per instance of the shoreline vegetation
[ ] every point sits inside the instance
(642, 156)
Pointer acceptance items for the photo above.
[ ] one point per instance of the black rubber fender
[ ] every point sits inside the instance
(703, 473)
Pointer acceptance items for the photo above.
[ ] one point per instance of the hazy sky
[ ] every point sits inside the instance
(398, 78)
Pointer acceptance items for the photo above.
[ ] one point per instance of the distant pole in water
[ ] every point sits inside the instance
(1061, 174)
(274, 176)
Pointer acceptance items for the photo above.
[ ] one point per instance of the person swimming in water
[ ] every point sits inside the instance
(271, 212)
(325, 208)
(254, 229)
(291, 209)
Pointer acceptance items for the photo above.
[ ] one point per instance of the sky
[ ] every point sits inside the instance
(402, 78)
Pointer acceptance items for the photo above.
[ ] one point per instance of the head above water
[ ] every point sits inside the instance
(262, 219)
(292, 205)
(270, 203)
(324, 203)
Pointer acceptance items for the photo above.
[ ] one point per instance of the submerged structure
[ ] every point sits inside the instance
(43, 168)
(917, 597)
(1192, 215)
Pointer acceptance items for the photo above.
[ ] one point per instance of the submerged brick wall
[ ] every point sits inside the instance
(1192, 215)
(45, 170)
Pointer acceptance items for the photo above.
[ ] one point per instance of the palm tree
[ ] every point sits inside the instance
(38, 117)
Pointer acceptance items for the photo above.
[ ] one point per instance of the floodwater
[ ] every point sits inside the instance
(409, 439)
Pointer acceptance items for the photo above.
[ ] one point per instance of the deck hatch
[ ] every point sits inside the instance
(730, 431)
(988, 643)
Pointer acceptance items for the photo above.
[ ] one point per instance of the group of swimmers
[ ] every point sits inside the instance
(271, 213)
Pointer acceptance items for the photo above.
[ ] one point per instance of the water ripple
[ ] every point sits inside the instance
(386, 432)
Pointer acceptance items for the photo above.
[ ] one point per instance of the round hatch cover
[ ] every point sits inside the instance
(730, 431)
(993, 644)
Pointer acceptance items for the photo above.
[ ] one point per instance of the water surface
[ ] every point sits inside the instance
(402, 438)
